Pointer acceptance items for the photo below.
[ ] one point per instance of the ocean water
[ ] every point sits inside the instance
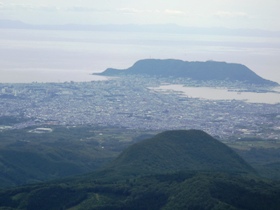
(210, 93)
(58, 56)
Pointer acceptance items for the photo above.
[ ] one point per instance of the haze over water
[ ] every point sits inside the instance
(58, 56)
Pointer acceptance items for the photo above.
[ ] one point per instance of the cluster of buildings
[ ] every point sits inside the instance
(131, 102)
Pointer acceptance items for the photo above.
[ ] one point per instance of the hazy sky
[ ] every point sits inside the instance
(201, 13)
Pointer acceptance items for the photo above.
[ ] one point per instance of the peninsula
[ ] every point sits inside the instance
(200, 71)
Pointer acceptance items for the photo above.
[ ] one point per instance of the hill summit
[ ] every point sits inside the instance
(201, 71)
(178, 150)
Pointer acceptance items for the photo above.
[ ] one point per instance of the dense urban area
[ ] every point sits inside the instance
(131, 102)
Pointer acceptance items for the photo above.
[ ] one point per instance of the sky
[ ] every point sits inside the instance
(255, 14)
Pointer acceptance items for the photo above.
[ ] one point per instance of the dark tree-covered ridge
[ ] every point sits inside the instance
(161, 182)
(178, 150)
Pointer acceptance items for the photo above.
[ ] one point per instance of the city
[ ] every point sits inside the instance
(131, 102)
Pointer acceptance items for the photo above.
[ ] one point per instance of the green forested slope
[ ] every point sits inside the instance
(182, 190)
(173, 151)
(205, 183)
(27, 157)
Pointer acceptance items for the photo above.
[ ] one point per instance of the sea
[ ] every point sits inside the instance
(59, 55)
(218, 93)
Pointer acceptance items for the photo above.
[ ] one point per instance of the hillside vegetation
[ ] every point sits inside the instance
(202, 183)
(30, 157)
(173, 151)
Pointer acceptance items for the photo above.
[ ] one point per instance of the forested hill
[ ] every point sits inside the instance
(173, 170)
(173, 151)
(201, 71)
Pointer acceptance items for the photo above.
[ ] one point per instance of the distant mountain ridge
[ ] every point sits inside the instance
(177, 150)
(158, 28)
(201, 71)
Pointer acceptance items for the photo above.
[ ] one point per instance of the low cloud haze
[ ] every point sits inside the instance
(201, 13)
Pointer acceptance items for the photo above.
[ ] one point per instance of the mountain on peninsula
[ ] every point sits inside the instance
(178, 150)
(201, 71)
